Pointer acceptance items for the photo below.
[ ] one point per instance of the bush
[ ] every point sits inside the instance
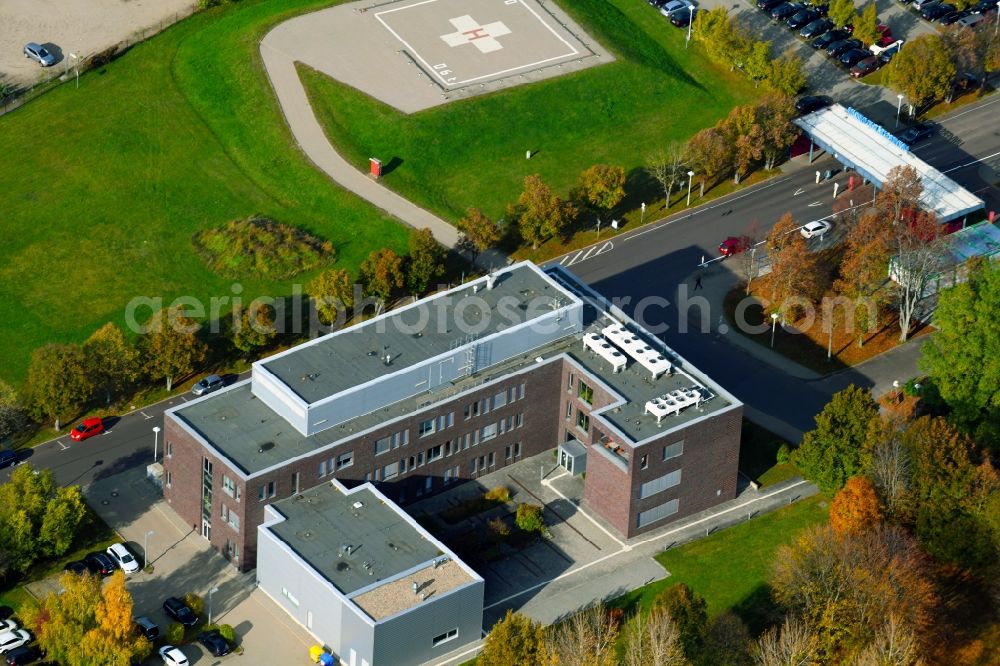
(499, 494)
(261, 248)
(227, 632)
(784, 454)
(530, 518)
(195, 603)
(175, 633)
(498, 529)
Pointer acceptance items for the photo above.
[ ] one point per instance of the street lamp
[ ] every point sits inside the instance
(899, 105)
(210, 593)
(691, 22)
(774, 325)
(145, 548)
(690, 177)
(156, 441)
(996, 26)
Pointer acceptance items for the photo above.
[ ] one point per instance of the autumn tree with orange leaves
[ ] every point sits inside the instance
(856, 507)
(863, 270)
(794, 269)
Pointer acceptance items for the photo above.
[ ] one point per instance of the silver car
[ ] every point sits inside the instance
(207, 385)
(39, 54)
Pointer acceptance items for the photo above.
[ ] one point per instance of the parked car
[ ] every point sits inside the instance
(208, 385)
(838, 49)
(147, 628)
(801, 18)
(810, 103)
(180, 611)
(890, 51)
(813, 229)
(26, 654)
(77, 566)
(917, 133)
(7, 626)
(866, 66)
(879, 49)
(733, 245)
(936, 11)
(853, 57)
(8, 458)
(13, 639)
(173, 656)
(952, 17)
(87, 428)
(782, 12)
(124, 559)
(99, 563)
(768, 5)
(816, 28)
(828, 38)
(919, 5)
(984, 7)
(214, 643)
(668, 8)
(971, 19)
(681, 18)
(884, 35)
(39, 54)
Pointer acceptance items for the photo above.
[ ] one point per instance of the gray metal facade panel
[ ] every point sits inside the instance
(406, 640)
(359, 636)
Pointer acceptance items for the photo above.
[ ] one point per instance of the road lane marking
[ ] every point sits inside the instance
(60, 443)
(815, 203)
(959, 115)
(799, 191)
(146, 415)
(968, 164)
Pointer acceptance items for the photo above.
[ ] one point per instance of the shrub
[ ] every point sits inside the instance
(175, 633)
(530, 518)
(499, 494)
(227, 632)
(195, 603)
(498, 529)
(261, 248)
(784, 454)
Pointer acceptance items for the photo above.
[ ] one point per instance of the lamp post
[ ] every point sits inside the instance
(76, 67)
(156, 441)
(774, 325)
(691, 22)
(210, 593)
(690, 177)
(899, 105)
(996, 26)
(145, 548)
(642, 216)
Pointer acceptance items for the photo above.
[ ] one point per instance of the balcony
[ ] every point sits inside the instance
(617, 452)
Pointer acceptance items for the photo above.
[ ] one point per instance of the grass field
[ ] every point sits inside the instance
(471, 152)
(731, 568)
(105, 185)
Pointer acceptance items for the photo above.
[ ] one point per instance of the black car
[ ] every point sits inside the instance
(681, 18)
(27, 654)
(180, 611)
(816, 28)
(214, 643)
(984, 6)
(936, 11)
(887, 55)
(100, 563)
(838, 49)
(811, 103)
(782, 12)
(78, 567)
(952, 17)
(828, 38)
(917, 133)
(8, 458)
(768, 5)
(147, 628)
(801, 18)
(853, 57)
(6, 612)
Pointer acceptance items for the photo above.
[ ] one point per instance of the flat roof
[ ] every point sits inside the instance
(872, 151)
(397, 595)
(355, 539)
(979, 240)
(413, 334)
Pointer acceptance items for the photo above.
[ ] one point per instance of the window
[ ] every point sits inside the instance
(228, 486)
(170, 449)
(520, 391)
(390, 471)
(295, 483)
(503, 426)
(420, 459)
(569, 410)
(447, 476)
(465, 442)
(381, 446)
(569, 382)
(170, 479)
(507, 452)
(489, 432)
(493, 459)
(657, 513)
(644, 461)
(445, 637)
(485, 405)
(288, 595)
(266, 491)
(427, 427)
(446, 420)
(582, 420)
(660, 484)
(322, 468)
(673, 450)
(434, 453)
(519, 420)
(511, 394)
(368, 476)
(500, 399)
(585, 393)
(234, 520)
(237, 493)
(345, 460)
(517, 449)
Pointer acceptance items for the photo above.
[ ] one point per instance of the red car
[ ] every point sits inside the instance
(732, 245)
(885, 35)
(88, 428)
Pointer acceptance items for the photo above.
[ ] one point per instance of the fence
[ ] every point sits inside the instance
(85, 63)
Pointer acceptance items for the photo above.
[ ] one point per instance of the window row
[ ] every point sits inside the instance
(230, 517)
(393, 441)
(436, 424)
(660, 484)
(485, 405)
(336, 463)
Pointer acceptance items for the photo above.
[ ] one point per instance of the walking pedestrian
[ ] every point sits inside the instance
(697, 283)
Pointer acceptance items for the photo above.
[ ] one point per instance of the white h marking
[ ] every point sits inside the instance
(483, 37)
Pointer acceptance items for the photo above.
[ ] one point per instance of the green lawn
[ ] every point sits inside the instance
(731, 568)
(758, 453)
(104, 186)
(471, 152)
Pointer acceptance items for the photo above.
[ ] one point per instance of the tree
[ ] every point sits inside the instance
(709, 152)
(916, 258)
(58, 382)
(516, 639)
(855, 507)
(539, 212)
(866, 25)
(842, 12)
(889, 469)
(835, 450)
(687, 609)
(923, 71)
(747, 262)
(775, 113)
(13, 418)
(256, 328)
(900, 193)
(87, 624)
(652, 639)
(713, 30)
(969, 49)
(747, 138)
(481, 232)
(788, 75)
(863, 270)
(795, 271)
(585, 639)
(668, 167)
(530, 518)
(331, 293)
(64, 516)
(727, 642)
(171, 346)
(426, 261)
(113, 363)
(791, 644)
(962, 355)
(603, 187)
(894, 645)
(381, 274)
(758, 64)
